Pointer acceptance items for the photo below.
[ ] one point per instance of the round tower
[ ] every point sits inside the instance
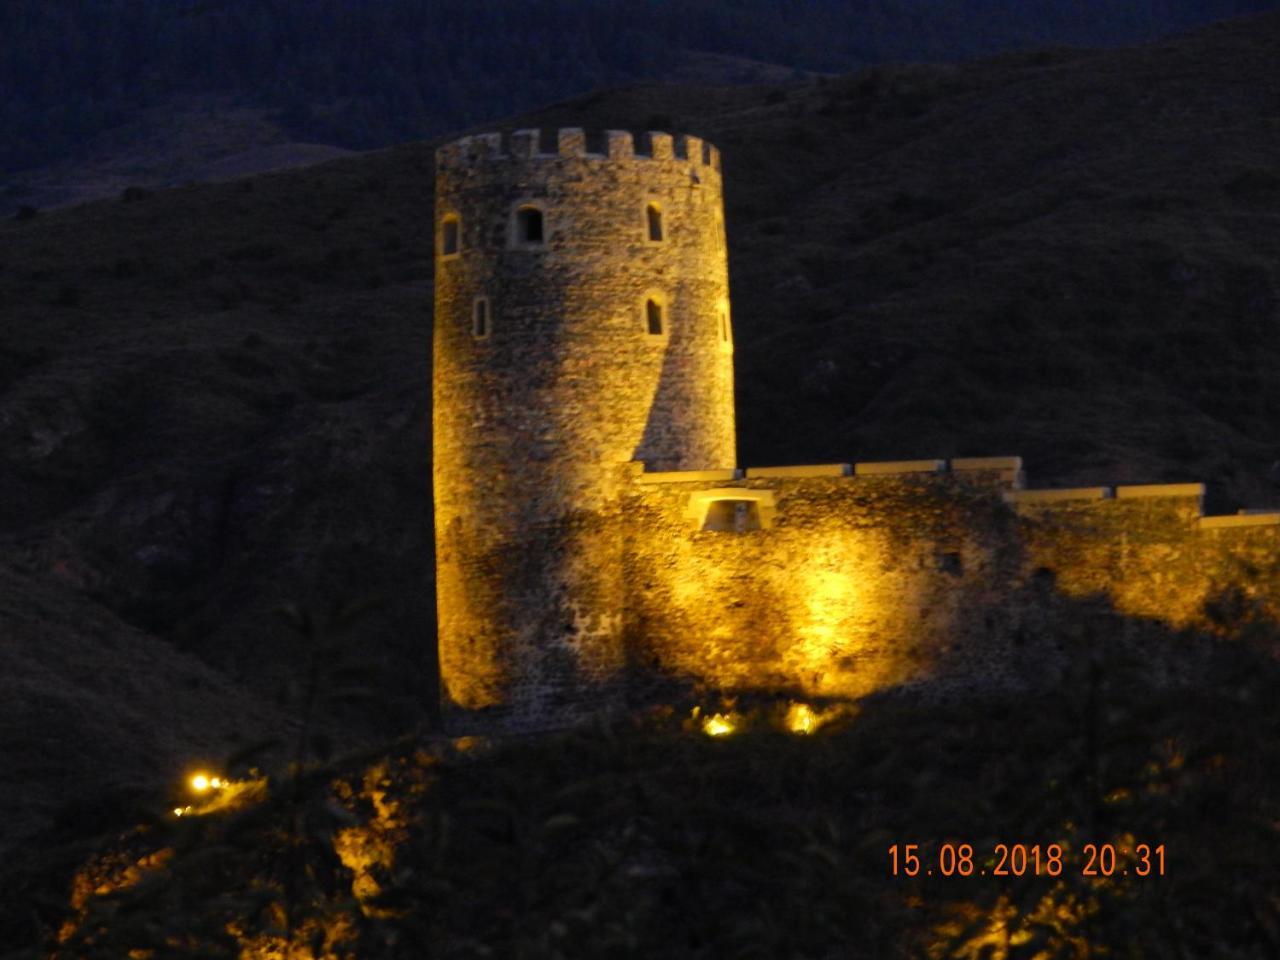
(581, 322)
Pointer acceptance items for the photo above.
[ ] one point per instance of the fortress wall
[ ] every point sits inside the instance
(533, 618)
(851, 584)
(1151, 555)
(856, 583)
(1241, 567)
(1142, 553)
(565, 570)
(533, 417)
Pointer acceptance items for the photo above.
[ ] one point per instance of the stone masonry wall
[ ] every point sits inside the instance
(851, 584)
(595, 540)
(1152, 555)
(906, 574)
(533, 418)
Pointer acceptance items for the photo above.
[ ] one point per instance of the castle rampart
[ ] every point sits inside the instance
(899, 573)
(596, 539)
(1151, 553)
(826, 583)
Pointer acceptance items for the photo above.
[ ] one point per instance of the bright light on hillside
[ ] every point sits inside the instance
(717, 725)
(214, 794)
(203, 782)
(801, 718)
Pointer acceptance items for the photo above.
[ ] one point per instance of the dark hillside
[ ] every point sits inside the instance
(214, 399)
(649, 840)
(368, 75)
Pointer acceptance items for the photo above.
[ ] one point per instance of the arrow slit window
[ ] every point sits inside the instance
(653, 223)
(450, 235)
(480, 321)
(654, 320)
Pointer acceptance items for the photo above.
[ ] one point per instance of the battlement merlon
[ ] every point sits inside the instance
(619, 146)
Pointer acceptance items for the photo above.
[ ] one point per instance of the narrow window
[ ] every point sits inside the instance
(733, 516)
(654, 218)
(653, 317)
(449, 239)
(480, 318)
(529, 225)
(724, 325)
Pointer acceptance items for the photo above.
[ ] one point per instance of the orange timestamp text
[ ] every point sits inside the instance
(1026, 859)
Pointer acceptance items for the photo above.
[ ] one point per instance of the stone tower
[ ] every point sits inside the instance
(581, 322)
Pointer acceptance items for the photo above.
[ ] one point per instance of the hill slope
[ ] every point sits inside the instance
(213, 399)
(368, 76)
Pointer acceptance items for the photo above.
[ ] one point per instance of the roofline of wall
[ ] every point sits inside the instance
(1055, 496)
(688, 476)
(1010, 469)
(887, 467)
(1131, 491)
(1240, 520)
(809, 470)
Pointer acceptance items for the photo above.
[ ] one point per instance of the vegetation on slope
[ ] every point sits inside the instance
(645, 839)
(369, 75)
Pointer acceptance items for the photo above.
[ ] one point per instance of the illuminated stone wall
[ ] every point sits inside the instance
(845, 582)
(595, 540)
(535, 408)
(849, 585)
(1152, 555)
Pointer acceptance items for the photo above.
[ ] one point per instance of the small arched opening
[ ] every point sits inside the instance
(654, 317)
(732, 510)
(732, 516)
(530, 230)
(653, 223)
(450, 235)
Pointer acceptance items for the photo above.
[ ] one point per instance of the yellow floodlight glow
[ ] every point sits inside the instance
(717, 725)
(801, 718)
(204, 782)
